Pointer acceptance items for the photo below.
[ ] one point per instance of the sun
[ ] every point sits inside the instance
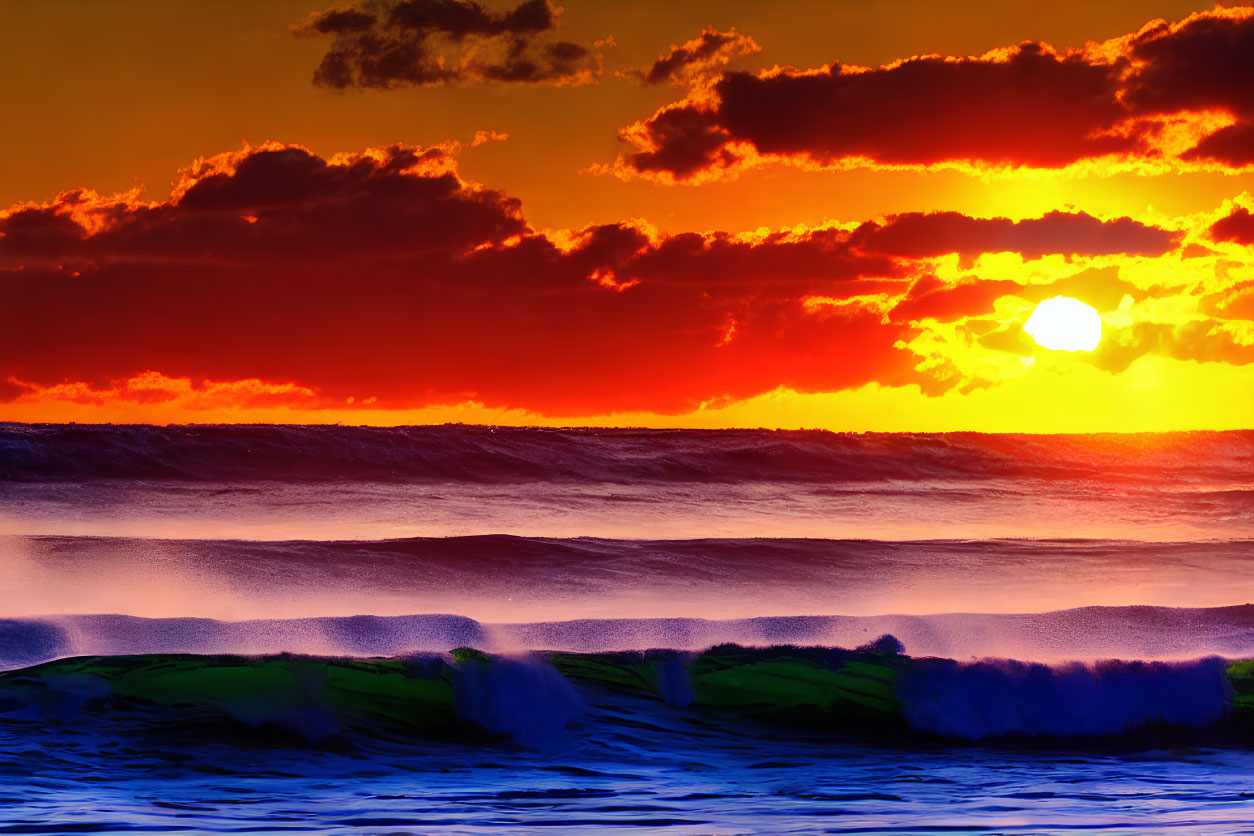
(1065, 324)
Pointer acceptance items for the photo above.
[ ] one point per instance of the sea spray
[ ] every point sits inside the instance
(28, 641)
(1148, 633)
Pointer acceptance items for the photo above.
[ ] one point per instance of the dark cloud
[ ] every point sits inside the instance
(682, 142)
(1237, 226)
(1033, 107)
(1202, 63)
(928, 234)
(707, 53)
(276, 204)
(1232, 145)
(422, 42)
(1026, 105)
(1030, 107)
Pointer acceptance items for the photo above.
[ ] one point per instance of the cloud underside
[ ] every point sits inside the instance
(384, 279)
(1170, 95)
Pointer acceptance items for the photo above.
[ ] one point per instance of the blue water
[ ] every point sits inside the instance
(670, 769)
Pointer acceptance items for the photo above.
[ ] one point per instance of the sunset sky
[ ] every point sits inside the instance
(786, 214)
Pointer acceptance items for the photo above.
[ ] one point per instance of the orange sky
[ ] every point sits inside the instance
(815, 214)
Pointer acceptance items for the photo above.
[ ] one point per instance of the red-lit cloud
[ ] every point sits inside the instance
(1128, 100)
(385, 278)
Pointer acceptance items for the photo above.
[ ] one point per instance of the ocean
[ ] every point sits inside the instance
(496, 630)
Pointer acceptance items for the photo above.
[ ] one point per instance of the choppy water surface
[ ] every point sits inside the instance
(668, 770)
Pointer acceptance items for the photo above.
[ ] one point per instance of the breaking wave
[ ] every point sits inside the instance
(541, 700)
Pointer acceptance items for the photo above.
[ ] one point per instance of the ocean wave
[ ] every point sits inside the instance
(539, 700)
(506, 455)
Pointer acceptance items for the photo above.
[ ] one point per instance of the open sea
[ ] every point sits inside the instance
(507, 630)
